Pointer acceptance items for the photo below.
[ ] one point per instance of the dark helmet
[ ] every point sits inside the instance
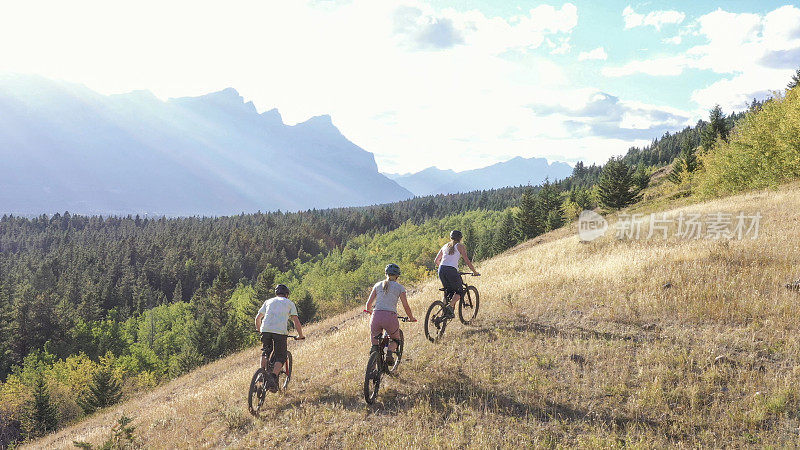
(281, 289)
(455, 235)
(393, 269)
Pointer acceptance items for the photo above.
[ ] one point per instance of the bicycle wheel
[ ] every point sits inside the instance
(468, 305)
(258, 391)
(435, 322)
(286, 372)
(398, 354)
(372, 378)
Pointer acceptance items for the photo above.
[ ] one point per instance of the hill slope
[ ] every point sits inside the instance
(576, 344)
(517, 171)
(66, 147)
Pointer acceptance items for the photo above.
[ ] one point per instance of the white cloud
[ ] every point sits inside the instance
(598, 53)
(675, 40)
(760, 52)
(656, 19)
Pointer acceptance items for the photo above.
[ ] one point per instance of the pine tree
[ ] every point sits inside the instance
(550, 207)
(528, 220)
(641, 178)
(616, 185)
(45, 418)
(505, 236)
(306, 308)
(103, 391)
(795, 81)
(717, 128)
(177, 294)
(685, 163)
(264, 288)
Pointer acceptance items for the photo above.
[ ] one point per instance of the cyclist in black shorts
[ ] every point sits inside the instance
(272, 320)
(447, 259)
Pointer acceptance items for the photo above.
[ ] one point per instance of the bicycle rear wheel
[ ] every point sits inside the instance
(372, 378)
(435, 323)
(286, 372)
(398, 354)
(258, 391)
(468, 305)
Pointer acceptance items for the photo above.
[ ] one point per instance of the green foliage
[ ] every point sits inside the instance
(616, 188)
(641, 177)
(764, 150)
(43, 413)
(529, 220)
(103, 391)
(795, 80)
(122, 437)
(306, 307)
(684, 165)
(717, 129)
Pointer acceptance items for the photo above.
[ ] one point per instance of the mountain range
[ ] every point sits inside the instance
(514, 172)
(65, 147)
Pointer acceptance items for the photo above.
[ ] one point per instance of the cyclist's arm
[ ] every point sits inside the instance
(406, 307)
(259, 318)
(371, 299)
(438, 258)
(463, 250)
(298, 327)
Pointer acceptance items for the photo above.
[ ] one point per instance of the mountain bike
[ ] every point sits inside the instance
(435, 319)
(376, 366)
(259, 386)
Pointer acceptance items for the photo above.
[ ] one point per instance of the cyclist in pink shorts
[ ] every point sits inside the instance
(384, 297)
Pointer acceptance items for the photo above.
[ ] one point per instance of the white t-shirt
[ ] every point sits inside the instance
(276, 315)
(448, 259)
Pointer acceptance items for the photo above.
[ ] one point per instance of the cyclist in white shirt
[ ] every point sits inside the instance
(272, 321)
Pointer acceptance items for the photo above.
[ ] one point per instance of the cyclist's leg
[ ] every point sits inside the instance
(279, 355)
(375, 331)
(266, 349)
(387, 320)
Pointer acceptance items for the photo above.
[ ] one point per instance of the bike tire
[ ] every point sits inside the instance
(435, 323)
(372, 378)
(398, 354)
(258, 391)
(468, 305)
(286, 372)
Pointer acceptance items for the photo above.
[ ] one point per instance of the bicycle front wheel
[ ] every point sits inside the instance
(468, 305)
(372, 378)
(258, 391)
(286, 372)
(435, 321)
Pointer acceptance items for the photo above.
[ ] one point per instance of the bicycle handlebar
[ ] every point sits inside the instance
(400, 318)
(468, 273)
(297, 338)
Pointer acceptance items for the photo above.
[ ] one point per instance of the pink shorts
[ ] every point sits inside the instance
(383, 320)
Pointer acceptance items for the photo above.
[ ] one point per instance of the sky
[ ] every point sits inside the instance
(453, 84)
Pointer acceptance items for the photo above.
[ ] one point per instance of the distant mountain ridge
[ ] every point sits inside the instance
(66, 147)
(514, 172)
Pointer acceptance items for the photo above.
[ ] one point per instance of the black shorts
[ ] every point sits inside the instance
(275, 345)
(451, 280)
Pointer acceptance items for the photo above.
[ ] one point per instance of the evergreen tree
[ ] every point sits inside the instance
(717, 128)
(795, 80)
(685, 163)
(177, 293)
(616, 187)
(306, 308)
(528, 221)
(641, 178)
(103, 391)
(44, 414)
(264, 287)
(550, 206)
(505, 236)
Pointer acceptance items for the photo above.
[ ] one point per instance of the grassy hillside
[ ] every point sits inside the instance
(614, 342)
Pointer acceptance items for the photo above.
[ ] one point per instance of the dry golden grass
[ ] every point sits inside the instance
(575, 345)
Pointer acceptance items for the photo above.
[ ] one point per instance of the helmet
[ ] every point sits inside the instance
(393, 269)
(281, 289)
(455, 235)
